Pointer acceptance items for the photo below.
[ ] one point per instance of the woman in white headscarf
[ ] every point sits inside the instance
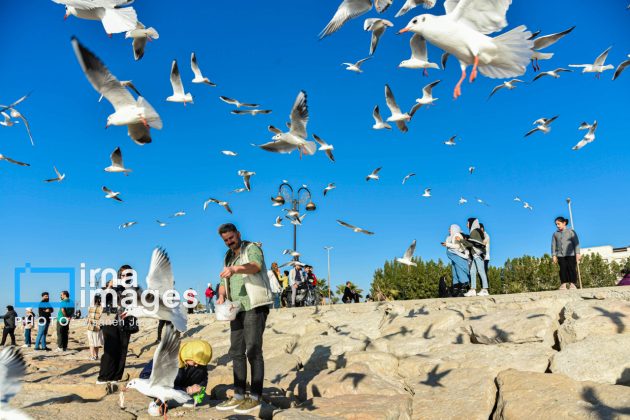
(458, 256)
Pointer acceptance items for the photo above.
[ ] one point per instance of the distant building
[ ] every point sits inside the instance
(609, 253)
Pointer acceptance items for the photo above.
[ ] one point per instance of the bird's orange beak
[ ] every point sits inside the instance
(402, 31)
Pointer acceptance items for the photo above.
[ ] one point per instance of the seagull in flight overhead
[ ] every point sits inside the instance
(114, 17)
(12, 371)
(250, 111)
(427, 192)
(246, 177)
(117, 163)
(598, 66)
(451, 141)
(355, 67)
(178, 87)
(8, 122)
(161, 224)
(462, 200)
(411, 4)
(427, 94)
(223, 204)
(589, 137)
(621, 67)
(543, 125)
(471, 169)
(278, 222)
(406, 259)
(330, 186)
(377, 26)
(15, 162)
(378, 120)
(111, 194)
(419, 56)
(138, 115)
(140, 36)
(14, 113)
(526, 205)
(509, 84)
(544, 42)
(374, 175)
(60, 177)
(127, 225)
(480, 201)
(407, 177)
(229, 153)
(348, 9)
(325, 147)
(236, 103)
(354, 228)
(398, 116)
(178, 214)
(199, 78)
(553, 73)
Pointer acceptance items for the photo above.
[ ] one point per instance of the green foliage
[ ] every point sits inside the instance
(341, 287)
(518, 275)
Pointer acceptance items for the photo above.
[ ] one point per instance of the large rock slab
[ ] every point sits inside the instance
(535, 325)
(325, 351)
(600, 359)
(351, 407)
(529, 395)
(593, 318)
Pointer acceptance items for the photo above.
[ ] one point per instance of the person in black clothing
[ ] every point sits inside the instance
(116, 331)
(348, 294)
(9, 325)
(44, 313)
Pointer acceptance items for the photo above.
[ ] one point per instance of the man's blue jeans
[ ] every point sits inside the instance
(42, 331)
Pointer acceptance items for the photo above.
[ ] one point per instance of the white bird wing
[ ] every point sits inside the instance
(376, 114)
(621, 68)
(279, 146)
(16, 114)
(12, 369)
(138, 46)
(348, 225)
(103, 81)
(485, 16)
(410, 250)
(139, 133)
(418, 47)
(195, 66)
(428, 89)
(160, 275)
(382, 5)
(548, 40)
(347, 10)
(299, 116)
(116, 158)
(601, 59)
(92, 4)
(411, 4)
(176, 79)
(391, 101)
(166, 359)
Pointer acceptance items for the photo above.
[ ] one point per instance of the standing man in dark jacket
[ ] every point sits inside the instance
(9, 325)
(44, 313)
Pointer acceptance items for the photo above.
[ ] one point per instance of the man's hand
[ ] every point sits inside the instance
(220, 299)
(555, 259)
(578, 257)
(191, 390)
(227, 272)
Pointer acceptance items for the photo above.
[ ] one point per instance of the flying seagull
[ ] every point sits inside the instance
(165, 368)
(451, 141)
(374, 175)
(553, 73)
(348, 9)
(419, 57)
(543, 125)
(377, 26)
(427, 94)
(407, 177)
(14, 113)
(8, 122)
(246, 177)
(138, 115)
(509, 84)
(621, 67)
(480, 201)
(462, 200)
(355, 67)
(117, 163)
(378, 120)
(111, 194)
(291, 252)
(471, 169)
(125, 83)
(250, 111)
(178, 88)
(330, 187)
(160, 223)
(544, 42)
(178, 214)
(589, 137)
(127, 225)
(325, 147)
(239, 190)
(398, 116)
(411, 4)
(526, 205)
(278, 222)
(60, 177)
(140, 36)
(12, 371)
(354, 228)
(223, 204)
(15, 162)
(197, 71)
(427, 192)
(229, 153)
(236, 103)
(114, 17)
(406, 259)
(598, 66)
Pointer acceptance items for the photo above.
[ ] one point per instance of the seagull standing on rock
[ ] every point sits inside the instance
(462, 32)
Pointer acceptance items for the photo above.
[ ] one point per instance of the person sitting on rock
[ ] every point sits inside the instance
(192, 376)
(348, 294)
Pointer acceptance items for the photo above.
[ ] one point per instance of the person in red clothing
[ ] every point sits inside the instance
(209, 301)
(310, 276)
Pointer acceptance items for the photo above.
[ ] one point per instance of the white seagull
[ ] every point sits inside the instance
(236, 103)
(588, 137)
(160, 281)
(12, 371)
(419, 58)
(229, 153)
(161, 224)
(199, 78)
(411, 4)
(462, 200)
(117, 163)
(178, 214)
(291, 252)
(378, 120)
(526, 205)
(239, 190)
(250, 111)
(246, 177)
(598, 66)
(8, 122)
(398, 116)
(348, 9)
(325, 147)
(509, 84)
(295, 138)
(374, 174)
(60, 177)
(544, 42)
(111, 194)
(471, 169)
(125, 83)
(127, 225)
(406, 259)
(330, 187)
(15, 162)
(178, 88)
(354, 228)
(140, 36)
(553, 73)
(223, 204)
(165, 368)
(462, 32)
(621, 67)
(114, 17)
(377, 26)
(451, 141)
(542, 124)
(427, 192)
(14, 113)
(138, 115)
(427, 94)
(278, 222)
(407, 177)
(297, 220)
(517, 198)
(355, 67)
(480, 201)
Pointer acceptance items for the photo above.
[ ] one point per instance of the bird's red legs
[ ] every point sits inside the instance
(458, 89)
(473, 73)
(144, 122)
(425, 73)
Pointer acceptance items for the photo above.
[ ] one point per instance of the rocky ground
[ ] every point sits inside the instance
(550, 355)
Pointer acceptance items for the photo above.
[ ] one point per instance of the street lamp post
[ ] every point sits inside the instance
(328, 248)
(302, 196)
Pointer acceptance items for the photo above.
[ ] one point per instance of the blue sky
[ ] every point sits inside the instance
(265, 53)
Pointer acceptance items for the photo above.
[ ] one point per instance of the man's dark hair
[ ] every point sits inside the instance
(123, 268)
(482, 226)
(227, 227)
(45, 293)
(97, 300)
(348, 283)
(286, 272)
(10, 307)
(470, 221)
(66, 293)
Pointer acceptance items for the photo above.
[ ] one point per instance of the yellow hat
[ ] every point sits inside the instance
(199, 351)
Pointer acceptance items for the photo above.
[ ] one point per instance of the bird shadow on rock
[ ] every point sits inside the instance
(601, 410)
(193, 331)
(615, 317)
(403, 331)
(65, 399)
(356, 378)
(434, 378)
(421, 311)
(624, 379)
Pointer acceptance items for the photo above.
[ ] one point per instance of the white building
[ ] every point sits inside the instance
(608, 253)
